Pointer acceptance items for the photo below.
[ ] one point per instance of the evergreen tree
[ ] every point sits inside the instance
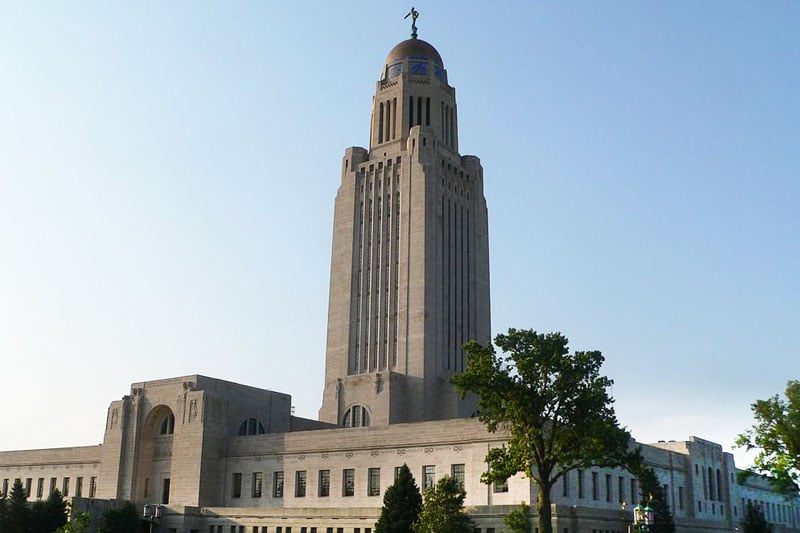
(651, 492)
(17, 512)
(3, 508)
(519, 520)
(443, 509)
(55, 509)
(754, 520)
(402, 503)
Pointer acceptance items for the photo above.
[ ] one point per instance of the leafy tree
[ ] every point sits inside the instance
(777, 434)
(555, 406)
(519, 520)
(754, 520)
(652, 493)
(80, 523)
(124, 519)
(17, 513)
(402, 503)
(443, 509)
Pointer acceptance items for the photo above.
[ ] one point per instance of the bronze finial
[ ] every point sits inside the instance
(413, 14)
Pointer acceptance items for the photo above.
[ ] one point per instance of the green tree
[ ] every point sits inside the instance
(3, 507)
(124, 519)
(754, 520)
(776, 434)
(443, 509)
(80, 523)
(651, 492)
(17, 513)
(402, 503)
(519, 520)
(554, 405)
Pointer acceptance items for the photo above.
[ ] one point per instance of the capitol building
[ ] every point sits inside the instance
(409, 286)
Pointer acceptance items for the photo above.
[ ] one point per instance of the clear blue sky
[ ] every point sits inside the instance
(168, 171)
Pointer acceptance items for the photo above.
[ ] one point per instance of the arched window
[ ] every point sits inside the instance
(356, 416)
(167, 426)
(251, 426)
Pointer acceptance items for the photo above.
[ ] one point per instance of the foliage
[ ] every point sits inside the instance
(555, 406)
(754, 520)
(3, 508)
(652, 493)
(55, 512)
(519, 520)
(776, 434)
(80, 523)
(402, 503)
(17, 515)
(124, 519)
(443, 509)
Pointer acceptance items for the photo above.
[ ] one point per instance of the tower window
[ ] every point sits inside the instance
(167, 425)
(251, 426)
(356, 416)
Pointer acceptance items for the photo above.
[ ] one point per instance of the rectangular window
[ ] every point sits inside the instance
(595, 489)
(428, 476)
(374, 482)
(258, 484)
(458, 473)
(300, 484)
(65, 487)
(237, 485)
(52, 485)
(633, 491)
(348, 482)
(621, 489)
(92, 486)
(397, 472)
(277, 485)
(580, 483)
(28, 484)
(40, 487)
(565, 485)
(500, 486)
(78, 487)
(608, 488)
(324, 483)
(5, 487)
(147, 487)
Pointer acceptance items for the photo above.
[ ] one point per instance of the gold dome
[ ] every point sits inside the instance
(414, 49)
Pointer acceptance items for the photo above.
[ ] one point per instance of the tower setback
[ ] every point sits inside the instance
(410, 263)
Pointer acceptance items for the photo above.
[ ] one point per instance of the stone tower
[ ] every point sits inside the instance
(410, 262)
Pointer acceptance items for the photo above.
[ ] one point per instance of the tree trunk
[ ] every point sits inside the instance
(543, 509)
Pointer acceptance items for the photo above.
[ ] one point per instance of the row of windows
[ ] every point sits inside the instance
(348, 482)
(775, 512)
(284, 529)
(65, 486)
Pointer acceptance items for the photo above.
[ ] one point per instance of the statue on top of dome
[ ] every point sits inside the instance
(413, 14)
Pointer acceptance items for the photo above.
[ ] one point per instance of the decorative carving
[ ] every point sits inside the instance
(458, 448)
(374, 453)
(324, 455)
(163, 449)
(348, 454)
(428, 450)
(192, 409)
(401, 451)
(301, 457)
(114, 418)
